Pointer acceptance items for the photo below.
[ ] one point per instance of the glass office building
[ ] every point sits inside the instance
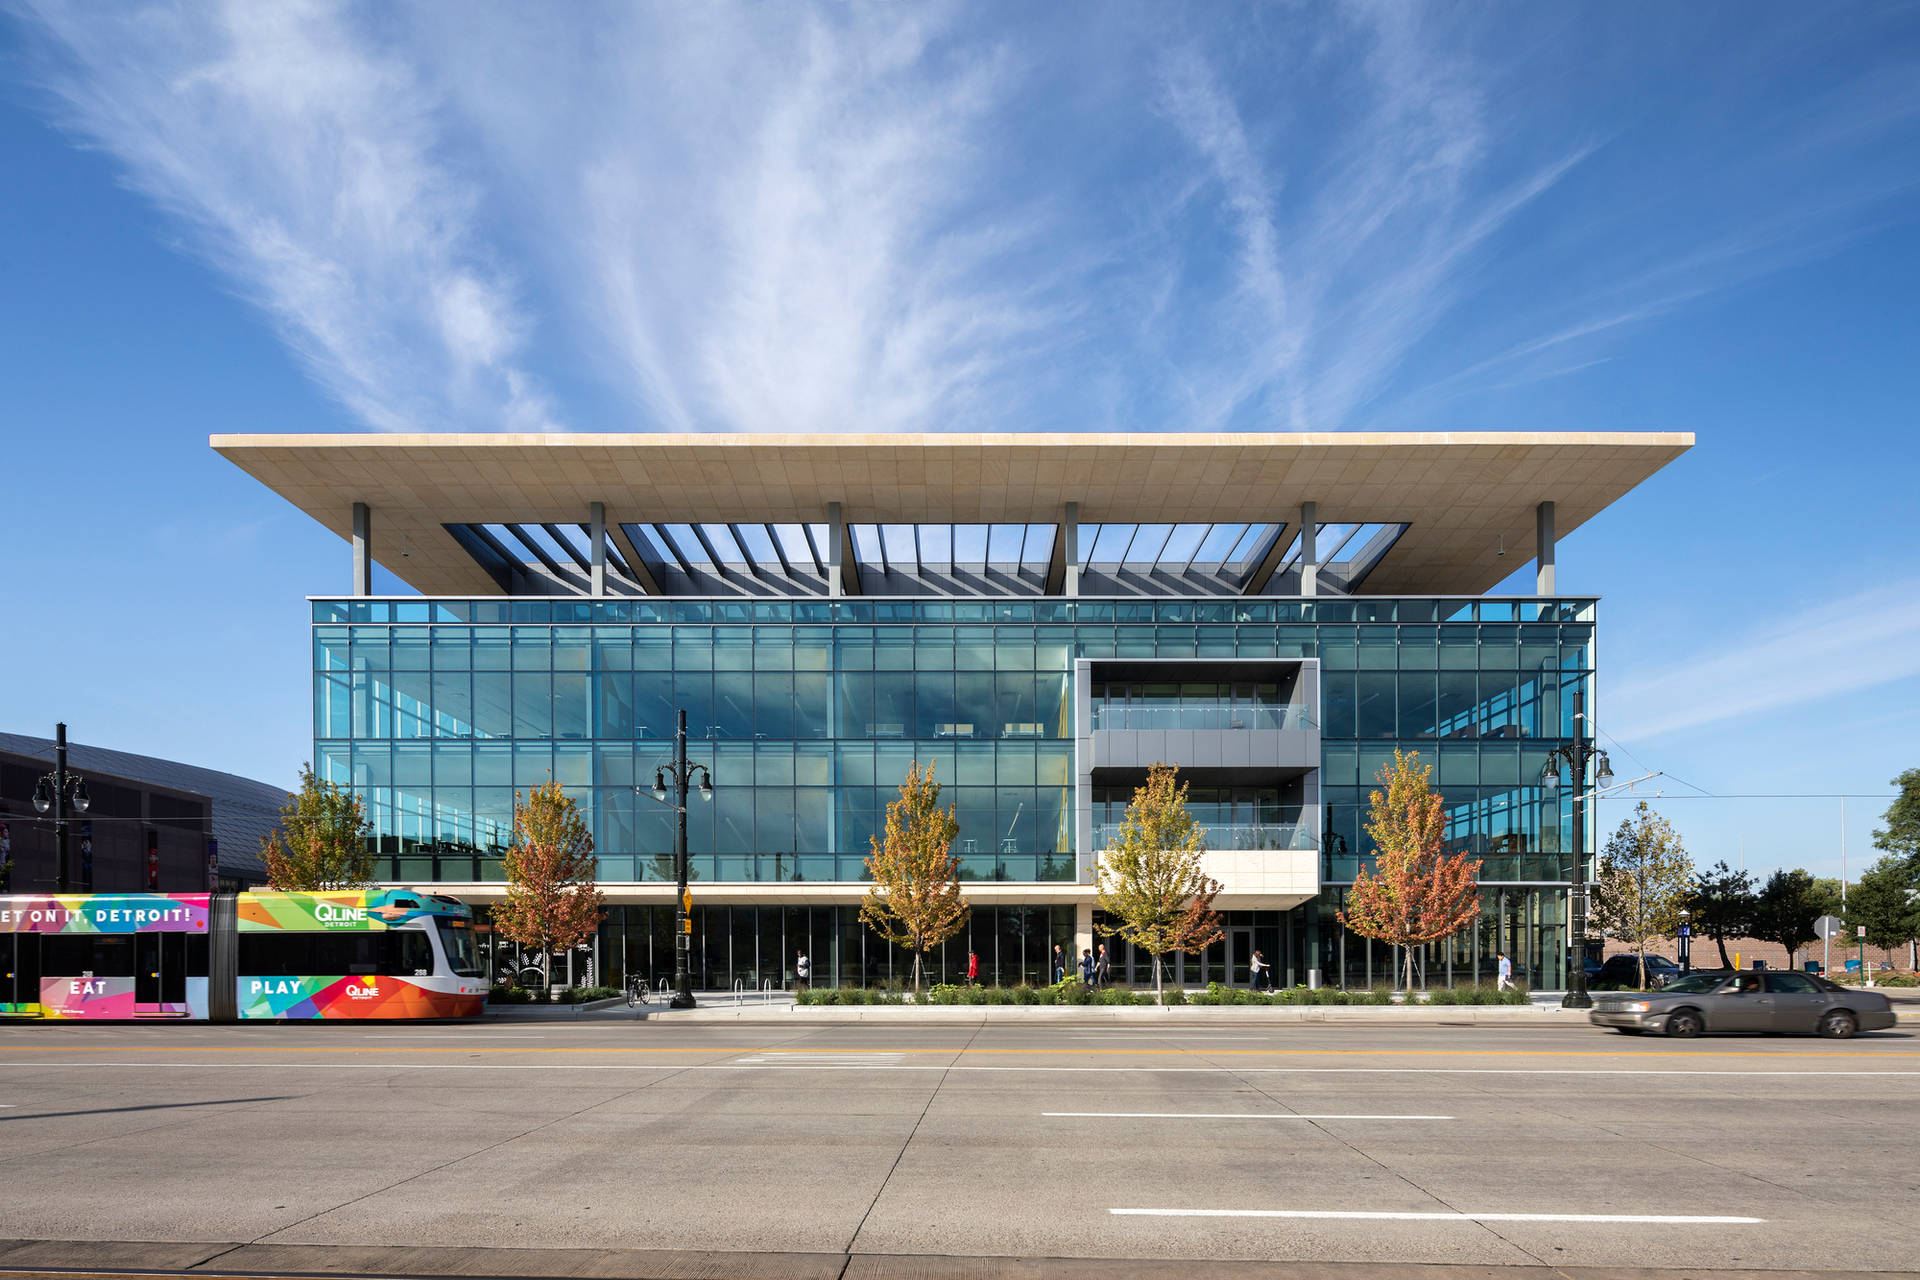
(1038, 666)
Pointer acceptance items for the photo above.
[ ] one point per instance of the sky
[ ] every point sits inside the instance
(1087, 216)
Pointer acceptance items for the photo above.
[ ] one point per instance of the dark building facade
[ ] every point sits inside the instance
(149, 824)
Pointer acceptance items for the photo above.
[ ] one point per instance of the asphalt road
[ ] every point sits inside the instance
(1497, 1146)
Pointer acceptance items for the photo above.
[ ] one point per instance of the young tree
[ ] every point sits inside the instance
(322, 841)
(1901, 836)
(1645, 876)
(1883, 902)
(1151, 877)
(1414, 892)
(915, 901)
(552, 903)
(1789, 904)
(1722, 902)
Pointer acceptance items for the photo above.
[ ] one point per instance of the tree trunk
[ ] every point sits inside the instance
(1159, 990)
(1726, 961)
(1409, 954)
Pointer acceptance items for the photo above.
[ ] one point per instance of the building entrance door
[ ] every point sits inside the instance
(1239, 957)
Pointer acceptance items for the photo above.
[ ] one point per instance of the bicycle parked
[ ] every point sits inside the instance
(636, 991)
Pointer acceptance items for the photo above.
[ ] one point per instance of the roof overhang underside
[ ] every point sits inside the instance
(1412, 513)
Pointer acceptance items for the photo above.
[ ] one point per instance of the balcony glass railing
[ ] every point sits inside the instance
(1201, 717)
(1233, 836)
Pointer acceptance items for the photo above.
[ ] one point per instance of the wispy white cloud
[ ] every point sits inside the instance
(1860, 642)
(303, 156)
(731, 217)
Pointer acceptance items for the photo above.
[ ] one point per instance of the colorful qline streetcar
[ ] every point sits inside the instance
(227, 957)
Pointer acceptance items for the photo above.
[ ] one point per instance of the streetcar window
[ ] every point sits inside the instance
(413, 954)
(287, 954)
(456, 939)
(69, 955)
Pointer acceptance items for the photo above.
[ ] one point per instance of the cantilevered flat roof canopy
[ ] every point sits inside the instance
(1467, 500)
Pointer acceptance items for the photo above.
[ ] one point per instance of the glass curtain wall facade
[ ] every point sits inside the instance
(808, 712)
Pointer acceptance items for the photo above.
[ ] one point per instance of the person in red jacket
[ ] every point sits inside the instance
(973, 967)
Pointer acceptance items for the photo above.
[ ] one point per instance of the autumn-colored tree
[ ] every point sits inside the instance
(915, 900)
(1414, 893)
(1645, 877)
(1152, 878)
(551, 903)
(321, 843)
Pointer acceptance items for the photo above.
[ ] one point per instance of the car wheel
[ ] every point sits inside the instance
(1629, 1031)
(1684, 1024)
(1838, 1025)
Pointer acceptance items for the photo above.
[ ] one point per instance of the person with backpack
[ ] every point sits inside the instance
(802, 971)
(1086, 966)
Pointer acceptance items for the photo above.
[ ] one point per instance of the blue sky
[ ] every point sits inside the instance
(984, 217)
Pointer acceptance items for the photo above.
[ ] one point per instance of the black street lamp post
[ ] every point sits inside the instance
(1576, 756)
(55, 791)
(682, 774)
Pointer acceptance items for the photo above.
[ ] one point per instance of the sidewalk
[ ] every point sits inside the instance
(722, 1006)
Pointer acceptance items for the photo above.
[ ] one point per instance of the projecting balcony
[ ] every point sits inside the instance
(1202, 716)
(1234, 837)
(1280, 737)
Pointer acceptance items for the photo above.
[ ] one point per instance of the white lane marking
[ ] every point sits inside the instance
(1378, 1216)
(785, 1058)
(1160, 1035)
(801, 1066)
(1220, 1115)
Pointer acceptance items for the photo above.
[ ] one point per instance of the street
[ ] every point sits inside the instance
(1508, 1146)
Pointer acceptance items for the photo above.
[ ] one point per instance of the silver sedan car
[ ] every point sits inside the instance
(1777, 1001)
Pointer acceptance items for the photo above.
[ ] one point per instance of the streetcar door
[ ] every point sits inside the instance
(146, 968)
(160, 972)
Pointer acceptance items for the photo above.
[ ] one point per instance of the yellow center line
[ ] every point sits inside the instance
(475, 1051)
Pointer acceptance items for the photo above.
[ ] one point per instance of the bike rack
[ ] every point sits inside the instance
(665, 987)
(766, 991)
(739, 991)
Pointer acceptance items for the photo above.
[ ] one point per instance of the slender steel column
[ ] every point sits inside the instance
(597, 546)
(1070, 535)
(1543, 556)
(362, 550)
(1309, 550)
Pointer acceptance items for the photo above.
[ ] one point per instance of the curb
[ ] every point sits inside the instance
(973, 1015)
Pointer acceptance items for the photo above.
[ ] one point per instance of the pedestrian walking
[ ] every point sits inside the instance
(1506, 972)
(973, 967)
(1086, 966)
(802, 971)
(1257, 971)
(1059, 964)
(1102, 967)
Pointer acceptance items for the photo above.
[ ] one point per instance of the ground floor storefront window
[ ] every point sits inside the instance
(757, 947)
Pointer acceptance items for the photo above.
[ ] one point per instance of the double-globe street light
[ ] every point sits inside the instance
(1575, 757)
(681, 774)
(56, 791)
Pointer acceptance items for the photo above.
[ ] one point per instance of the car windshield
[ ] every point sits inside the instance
(457, 939)
(1693, 984)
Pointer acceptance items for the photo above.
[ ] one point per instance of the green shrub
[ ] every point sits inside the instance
(1173, 996)
(501, 993)
(1024, 994)
(581, 995)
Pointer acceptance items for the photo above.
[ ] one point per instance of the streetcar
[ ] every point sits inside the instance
(230, 957)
